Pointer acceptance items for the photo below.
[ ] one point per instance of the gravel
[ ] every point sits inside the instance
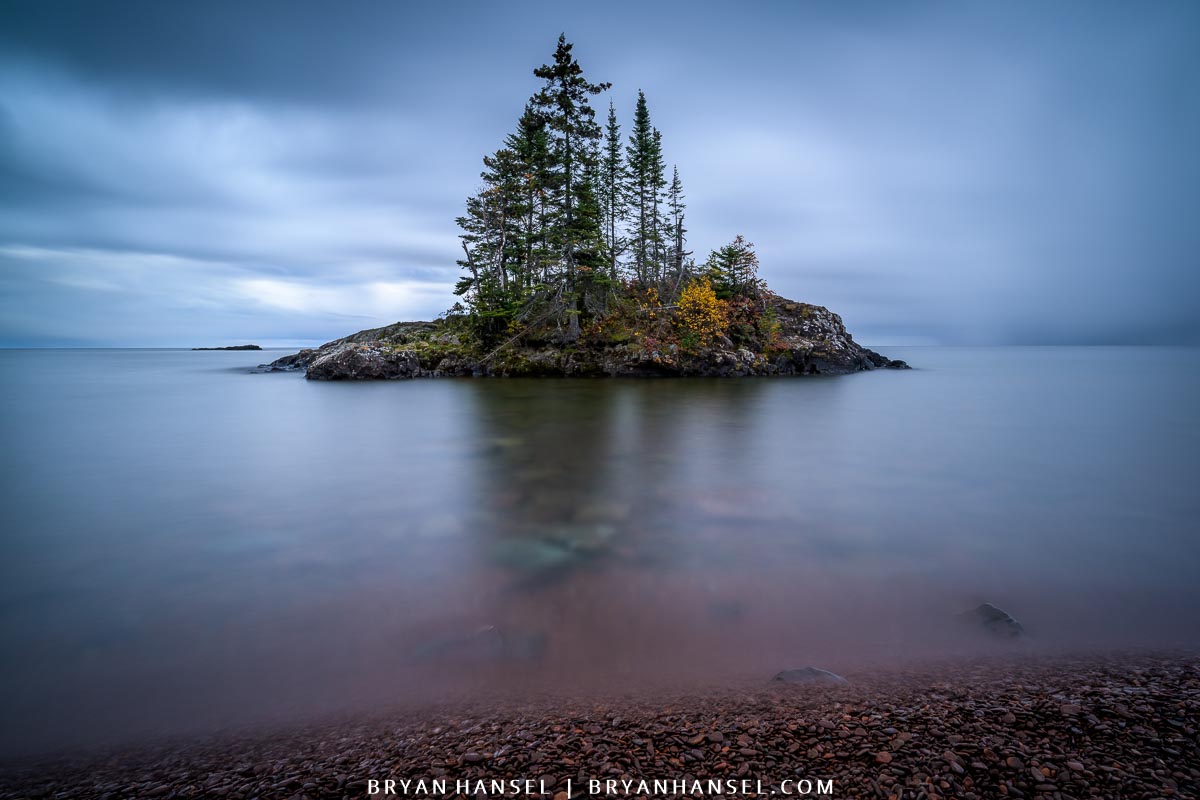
(1122, 725)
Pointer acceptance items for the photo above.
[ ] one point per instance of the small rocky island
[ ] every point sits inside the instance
(808, 340)
(576, 263)
(231, 347)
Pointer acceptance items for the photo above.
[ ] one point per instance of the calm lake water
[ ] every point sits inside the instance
(188, 545)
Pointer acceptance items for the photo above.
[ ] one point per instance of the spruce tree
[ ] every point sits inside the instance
(640, 162)
(543, 237)
(563, 104)
(611, 189)
(658, 182)
(591, 254)
(733, 270)
(531, 144)
(492, 241)
(675, 207)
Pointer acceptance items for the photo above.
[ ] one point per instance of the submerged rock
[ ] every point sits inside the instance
(484, 644)
(487, 644)
(812, 676)
(994, 621)
(554, 552)
(533, 555)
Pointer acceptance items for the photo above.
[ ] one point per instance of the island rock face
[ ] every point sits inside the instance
(364, 362)
(811, 340)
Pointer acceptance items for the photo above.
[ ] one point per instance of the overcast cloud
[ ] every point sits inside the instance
(178, 174)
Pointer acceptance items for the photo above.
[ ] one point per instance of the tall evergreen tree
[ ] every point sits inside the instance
(531, 144)
(492, 240)
(562, 199)
(591, 252)
(675, 207)
(640, 161)
(658, 182)
(563, 103)
(611, 189)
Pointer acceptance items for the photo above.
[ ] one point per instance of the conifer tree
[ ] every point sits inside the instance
(530, 142)
(543, 237)
(611, 189)
(733, 270)
(675, 208)
(563, 104)
(492, 241)
(658, 182)
(640, 161)
(591, 253)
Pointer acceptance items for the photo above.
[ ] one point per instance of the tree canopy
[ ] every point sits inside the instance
(571, 224)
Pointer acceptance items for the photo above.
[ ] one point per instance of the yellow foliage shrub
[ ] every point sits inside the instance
(701, 316)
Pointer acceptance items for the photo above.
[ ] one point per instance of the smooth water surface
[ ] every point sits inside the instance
(189, 545)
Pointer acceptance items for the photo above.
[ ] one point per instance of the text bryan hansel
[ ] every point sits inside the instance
(441, 787)
(594, 787)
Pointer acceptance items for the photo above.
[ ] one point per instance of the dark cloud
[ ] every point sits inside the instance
(966, 173)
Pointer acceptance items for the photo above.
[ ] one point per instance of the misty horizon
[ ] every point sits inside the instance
(968, 175)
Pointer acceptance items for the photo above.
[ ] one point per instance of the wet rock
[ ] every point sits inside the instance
(590, 538)
(994, 621)
(484, 644)
(292, 362)
(533, 555)
(490, 643)
(394, 336)
(364, 362)
(810, 676)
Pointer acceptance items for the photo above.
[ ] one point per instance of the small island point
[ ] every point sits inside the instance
(575, 264)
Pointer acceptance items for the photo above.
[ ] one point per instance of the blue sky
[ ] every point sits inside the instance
(179, 174)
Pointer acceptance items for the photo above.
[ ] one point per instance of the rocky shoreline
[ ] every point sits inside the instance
(811, 340)
(1117, 725)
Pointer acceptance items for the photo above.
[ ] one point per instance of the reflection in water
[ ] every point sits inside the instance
(594, 522)
(187, 545)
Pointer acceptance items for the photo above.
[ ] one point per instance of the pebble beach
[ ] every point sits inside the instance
(1118, 725)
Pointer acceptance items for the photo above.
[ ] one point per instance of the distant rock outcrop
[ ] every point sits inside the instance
(233, 347)
(811, 340)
